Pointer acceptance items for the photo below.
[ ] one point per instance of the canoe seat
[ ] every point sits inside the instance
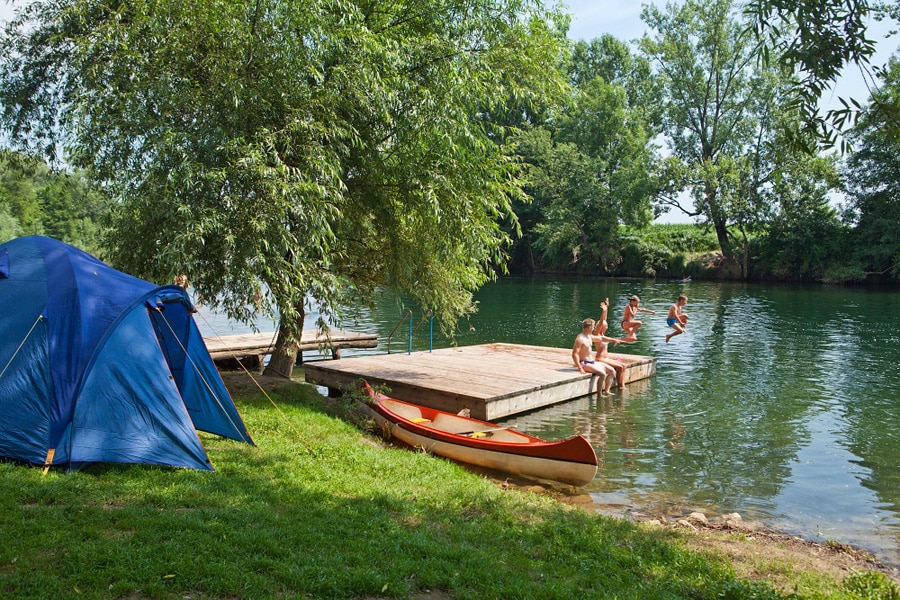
(401, 408)
(420, 420)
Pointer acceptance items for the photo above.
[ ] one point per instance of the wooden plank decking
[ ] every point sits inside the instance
(491, 380)
(261, 344)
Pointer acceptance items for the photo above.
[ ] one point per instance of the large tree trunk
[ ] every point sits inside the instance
(722, 237)
(719, 222)
(287, 345)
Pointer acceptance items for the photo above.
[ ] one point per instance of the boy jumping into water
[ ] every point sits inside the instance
(677, 320)
(629, 323)
(583, 359)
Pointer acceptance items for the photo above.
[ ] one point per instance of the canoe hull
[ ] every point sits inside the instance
(572, 461)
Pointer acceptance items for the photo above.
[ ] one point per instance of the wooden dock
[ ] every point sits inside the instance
(261, 344)
(491, 380)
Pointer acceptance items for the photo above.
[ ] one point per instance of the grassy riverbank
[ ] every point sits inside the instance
(320, 509)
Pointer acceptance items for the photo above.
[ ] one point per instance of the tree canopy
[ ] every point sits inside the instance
(813, 41)
(38, 200)
(279, 151)
(725, 119)
(590, 163)
(873, 178)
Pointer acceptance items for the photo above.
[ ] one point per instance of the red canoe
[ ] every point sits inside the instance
(485, 444)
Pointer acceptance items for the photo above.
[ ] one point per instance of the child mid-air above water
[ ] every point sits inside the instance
(629, 323)
(677, 320)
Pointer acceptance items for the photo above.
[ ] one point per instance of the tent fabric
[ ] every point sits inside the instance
(100, 366)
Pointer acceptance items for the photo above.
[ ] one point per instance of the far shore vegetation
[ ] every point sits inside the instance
(37, 200)
(324, 508)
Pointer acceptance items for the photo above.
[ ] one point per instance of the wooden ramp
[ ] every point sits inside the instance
(261, 344)
(491, 380)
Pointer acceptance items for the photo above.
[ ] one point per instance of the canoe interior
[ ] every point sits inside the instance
(454, 424)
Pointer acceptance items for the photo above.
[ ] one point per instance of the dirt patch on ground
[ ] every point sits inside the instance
(755, 551)
(759, 553)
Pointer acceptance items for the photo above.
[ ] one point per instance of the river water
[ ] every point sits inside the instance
(781, 402)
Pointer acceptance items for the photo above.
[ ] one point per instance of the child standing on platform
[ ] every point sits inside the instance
(603, 347)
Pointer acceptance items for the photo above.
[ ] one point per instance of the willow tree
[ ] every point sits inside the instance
(815, 40)
(287, 152)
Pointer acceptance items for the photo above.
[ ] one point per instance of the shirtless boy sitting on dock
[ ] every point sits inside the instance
(677, 320)
(582, 356)
(629, 323)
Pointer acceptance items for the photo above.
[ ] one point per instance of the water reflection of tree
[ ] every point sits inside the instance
(861, 347)
(729, 434)
(739, 400)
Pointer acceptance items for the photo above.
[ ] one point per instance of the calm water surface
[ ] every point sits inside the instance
(781, 403)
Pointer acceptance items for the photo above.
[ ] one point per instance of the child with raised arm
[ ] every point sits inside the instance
(582, 356)
(602, 347)
(629, 323)
(677, 320)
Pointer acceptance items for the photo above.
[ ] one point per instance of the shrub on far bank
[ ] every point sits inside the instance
(686, 238)
(666, 250)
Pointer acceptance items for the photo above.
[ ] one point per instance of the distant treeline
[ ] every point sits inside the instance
(38, 200)
(835, 254)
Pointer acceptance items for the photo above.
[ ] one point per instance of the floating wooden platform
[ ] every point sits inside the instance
(491, 380)
(261, 344)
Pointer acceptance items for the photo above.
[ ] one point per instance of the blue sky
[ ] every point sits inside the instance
(593, 18)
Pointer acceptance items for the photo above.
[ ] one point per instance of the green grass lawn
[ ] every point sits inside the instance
(320, 509)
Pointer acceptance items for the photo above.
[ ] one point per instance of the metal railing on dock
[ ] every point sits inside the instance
(408, 316)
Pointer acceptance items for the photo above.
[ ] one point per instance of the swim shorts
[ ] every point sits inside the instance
(671, 322)
(587, 362)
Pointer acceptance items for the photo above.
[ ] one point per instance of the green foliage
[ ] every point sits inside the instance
(643, 258)
(870, 585)
(589, 166)
(36, 200)
(282, 151)
(804, 238)
(689, 239)
(20, 178)
(873, 180)
(816, 40)
(665, 250)
(726, 120)
(318, 509)
(577, 221)
(710, 129)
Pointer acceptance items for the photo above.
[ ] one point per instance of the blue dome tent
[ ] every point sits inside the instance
(100, 366)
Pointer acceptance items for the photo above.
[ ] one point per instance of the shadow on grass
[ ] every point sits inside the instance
(316, 509)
